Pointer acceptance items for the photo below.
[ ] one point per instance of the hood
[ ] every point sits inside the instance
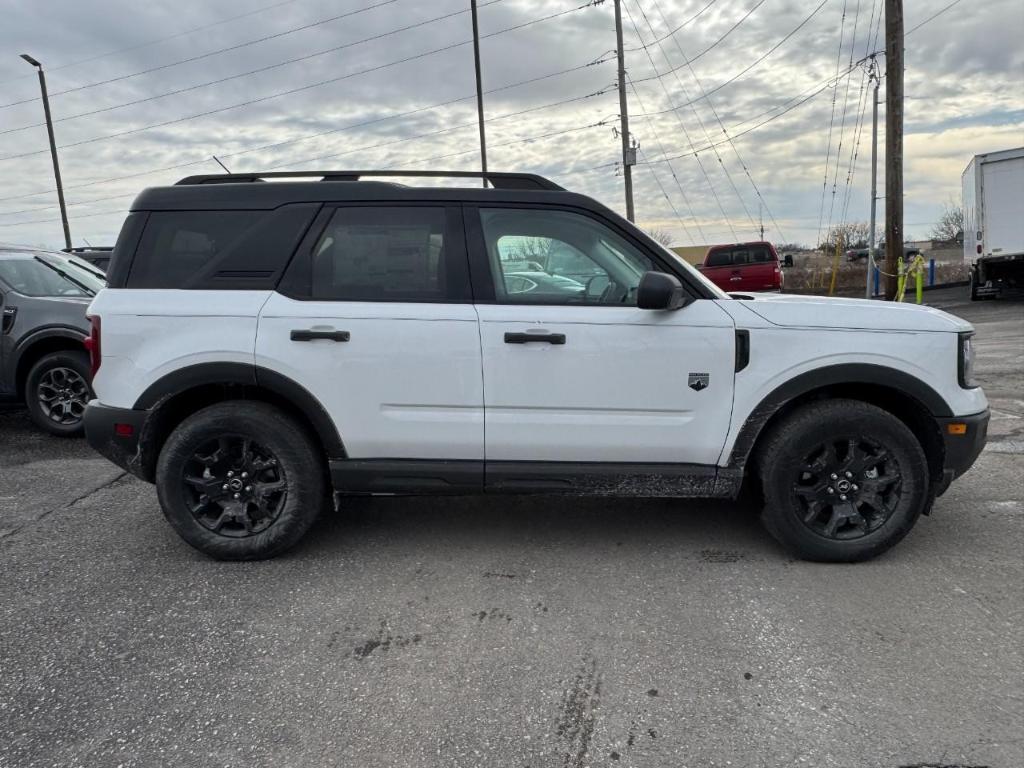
(793, 311)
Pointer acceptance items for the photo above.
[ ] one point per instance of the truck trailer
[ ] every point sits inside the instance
(993, 203)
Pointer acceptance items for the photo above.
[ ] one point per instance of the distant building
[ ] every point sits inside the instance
(692, 254)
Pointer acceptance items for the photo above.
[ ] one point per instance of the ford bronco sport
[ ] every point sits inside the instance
(264, 348)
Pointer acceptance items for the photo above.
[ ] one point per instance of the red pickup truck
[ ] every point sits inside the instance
(743, 267)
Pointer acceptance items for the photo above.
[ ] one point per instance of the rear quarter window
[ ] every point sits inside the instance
(218, 250)
(721, 258)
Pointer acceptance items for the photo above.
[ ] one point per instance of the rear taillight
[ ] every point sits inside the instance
(92, 344)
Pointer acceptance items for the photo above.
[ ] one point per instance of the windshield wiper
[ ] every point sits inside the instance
(89, 291)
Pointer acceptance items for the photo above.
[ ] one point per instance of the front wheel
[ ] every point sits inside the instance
(240, 480)
(843, 481)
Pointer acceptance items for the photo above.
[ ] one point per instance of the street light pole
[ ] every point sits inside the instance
(53, 148)
(479, 92)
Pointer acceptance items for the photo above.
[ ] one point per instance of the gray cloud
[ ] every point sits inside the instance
(963, 87)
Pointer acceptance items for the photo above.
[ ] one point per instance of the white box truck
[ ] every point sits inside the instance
(993, 199)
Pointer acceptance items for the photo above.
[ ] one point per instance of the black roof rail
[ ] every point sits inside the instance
(88, 248)
(496, 180)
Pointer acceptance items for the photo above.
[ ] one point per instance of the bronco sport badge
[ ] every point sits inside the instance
(699, 381)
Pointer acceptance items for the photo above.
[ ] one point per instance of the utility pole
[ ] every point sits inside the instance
(874, 183)
(628, 152)
(893, 142)
(479, 93)
(760, 218)
(53, 148)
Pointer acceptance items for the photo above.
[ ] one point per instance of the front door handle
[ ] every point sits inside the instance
(529, 338)
(306, 334)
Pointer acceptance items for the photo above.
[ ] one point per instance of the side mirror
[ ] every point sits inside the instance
(787, 260)
(658, 290)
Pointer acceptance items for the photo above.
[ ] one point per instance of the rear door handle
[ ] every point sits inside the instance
(529, 338)
(306, 334)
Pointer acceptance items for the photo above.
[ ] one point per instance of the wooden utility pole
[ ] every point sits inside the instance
(893, 141)
(628, 152)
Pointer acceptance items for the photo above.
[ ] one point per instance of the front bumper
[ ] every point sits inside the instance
(117, 434)
(964, 438)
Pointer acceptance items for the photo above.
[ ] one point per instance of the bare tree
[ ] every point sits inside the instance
(780, 247)
(661, 236)
(852, 234)
(950, 226)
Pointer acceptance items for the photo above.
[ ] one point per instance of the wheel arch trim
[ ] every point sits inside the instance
(819, 379)
(242, 374)
(29, 342)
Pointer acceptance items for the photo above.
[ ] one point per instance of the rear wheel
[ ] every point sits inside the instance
(240, 480)
(843, 481)
(57, 391)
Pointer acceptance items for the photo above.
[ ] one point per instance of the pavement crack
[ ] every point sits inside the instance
(4, 535)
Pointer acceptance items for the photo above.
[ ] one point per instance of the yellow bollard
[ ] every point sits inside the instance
(919, 278)
(901, 279)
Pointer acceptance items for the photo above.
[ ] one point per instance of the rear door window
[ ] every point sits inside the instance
(407, 253)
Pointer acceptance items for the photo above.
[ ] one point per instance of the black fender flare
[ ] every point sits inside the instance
(69, 332)
(243, 374)
(820, 378)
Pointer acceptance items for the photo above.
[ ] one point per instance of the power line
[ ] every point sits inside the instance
(750, 66)
(931, 18)
(156, 40)
(602, 59)
(831, 122)
(721, 124)
(686, 95)
(207, 55)
(527, 139)
(403, 140)
(735, 135)
(307, 87)
(686, 134)
(661, 146)
(439, 131)
(865, 96)
(718, 41)
(842, 122)
(266, 68)
(672, 32)
(675, 211)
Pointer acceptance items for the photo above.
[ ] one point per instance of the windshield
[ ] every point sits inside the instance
(677, 259)
(44, 274)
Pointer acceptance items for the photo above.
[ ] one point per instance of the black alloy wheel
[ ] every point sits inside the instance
(847, 488)
(234, 486)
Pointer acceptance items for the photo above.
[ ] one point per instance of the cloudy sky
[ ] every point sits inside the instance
(739, 114)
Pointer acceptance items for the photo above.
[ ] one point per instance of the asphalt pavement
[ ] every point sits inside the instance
(528, 631)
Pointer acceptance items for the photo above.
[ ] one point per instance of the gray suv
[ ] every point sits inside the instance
(43, 298)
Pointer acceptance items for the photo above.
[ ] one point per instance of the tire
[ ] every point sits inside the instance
(974, 286)
(868, 510)
(240, 480)
(57, 390)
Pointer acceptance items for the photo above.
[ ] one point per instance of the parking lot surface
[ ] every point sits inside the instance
(529, 631)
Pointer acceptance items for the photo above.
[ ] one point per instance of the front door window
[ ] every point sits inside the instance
(559, 257)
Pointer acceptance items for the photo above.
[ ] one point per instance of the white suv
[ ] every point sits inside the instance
(262, 347)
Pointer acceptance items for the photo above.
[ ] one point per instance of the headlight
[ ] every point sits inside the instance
(965, 361)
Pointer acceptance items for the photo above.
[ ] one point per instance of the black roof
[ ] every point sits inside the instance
(247, 192)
